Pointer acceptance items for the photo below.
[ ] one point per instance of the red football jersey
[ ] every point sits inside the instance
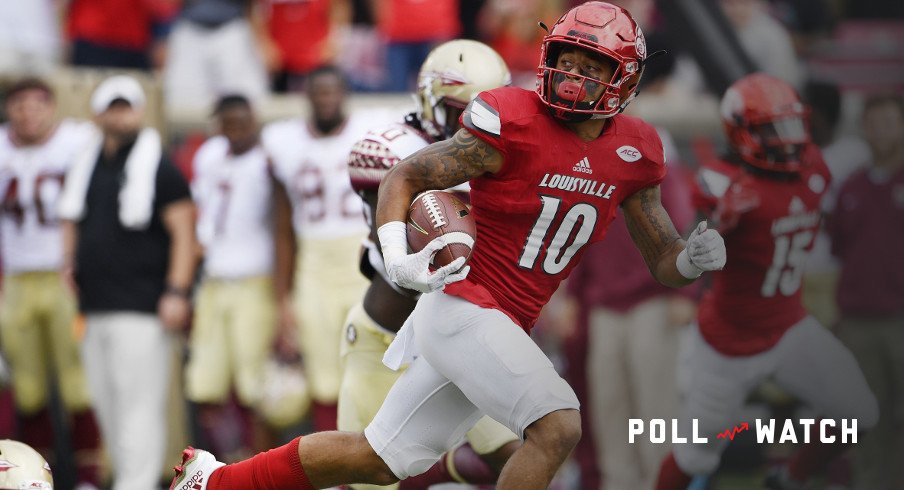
(769, 225)
(554, 195)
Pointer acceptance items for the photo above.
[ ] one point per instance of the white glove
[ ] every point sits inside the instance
(412, 271)
(705, 251)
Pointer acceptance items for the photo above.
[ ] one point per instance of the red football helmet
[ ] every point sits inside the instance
(606, 30)
(765, 122)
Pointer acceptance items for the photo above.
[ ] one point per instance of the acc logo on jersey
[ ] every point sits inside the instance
(628, 153)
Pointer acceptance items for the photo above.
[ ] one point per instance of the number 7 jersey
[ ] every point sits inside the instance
(554, 195)
(769, 225)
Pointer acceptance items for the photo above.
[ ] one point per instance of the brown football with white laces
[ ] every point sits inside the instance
(439, 213)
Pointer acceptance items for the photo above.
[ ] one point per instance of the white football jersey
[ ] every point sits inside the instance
(233, 194)
(314, 170)
(31, 179)
(369, 161)
(380, 150)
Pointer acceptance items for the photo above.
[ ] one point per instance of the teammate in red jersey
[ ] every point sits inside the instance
(547, 170)
(764, 197)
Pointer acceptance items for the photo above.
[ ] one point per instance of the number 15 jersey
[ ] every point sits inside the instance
(554, 195)
(769, 224)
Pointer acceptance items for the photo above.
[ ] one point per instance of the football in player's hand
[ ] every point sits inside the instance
(439, 213)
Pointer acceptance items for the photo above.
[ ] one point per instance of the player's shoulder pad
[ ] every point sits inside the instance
(78, 127)
(714, 178)
(491, 109)
(6, 145)
(75, 134)
(5, 142)
(394, 141)
(380, 150)
(641, 140)
(213, 149)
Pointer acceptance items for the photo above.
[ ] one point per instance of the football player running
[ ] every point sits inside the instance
(547, 171)
(451, 76)
(764, 197)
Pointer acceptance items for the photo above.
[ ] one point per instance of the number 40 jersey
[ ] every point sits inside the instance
(554, 195)
(769, 223)
(31, 180)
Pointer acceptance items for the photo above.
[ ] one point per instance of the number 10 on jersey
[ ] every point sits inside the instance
(556, 260)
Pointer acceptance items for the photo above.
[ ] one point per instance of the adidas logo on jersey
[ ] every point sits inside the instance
(583, 166)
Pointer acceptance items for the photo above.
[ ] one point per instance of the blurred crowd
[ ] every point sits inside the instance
(200, 48)
(613, 331)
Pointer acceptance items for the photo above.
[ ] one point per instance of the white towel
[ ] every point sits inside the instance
(136, 197)
(402, 349)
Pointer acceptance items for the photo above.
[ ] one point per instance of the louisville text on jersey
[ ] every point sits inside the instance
(576, 184)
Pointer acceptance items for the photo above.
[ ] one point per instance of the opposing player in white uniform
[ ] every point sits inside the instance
(309, 161)
(38, 307)
(452, 75)
(235, 316)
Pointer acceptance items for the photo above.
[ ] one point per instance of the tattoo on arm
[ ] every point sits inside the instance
(451, 162)
(650, 226)
(439, 166)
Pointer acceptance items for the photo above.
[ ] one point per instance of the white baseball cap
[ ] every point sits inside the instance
(115, 88)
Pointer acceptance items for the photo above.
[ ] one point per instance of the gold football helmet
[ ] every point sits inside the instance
(21, 467)
(451, 76)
